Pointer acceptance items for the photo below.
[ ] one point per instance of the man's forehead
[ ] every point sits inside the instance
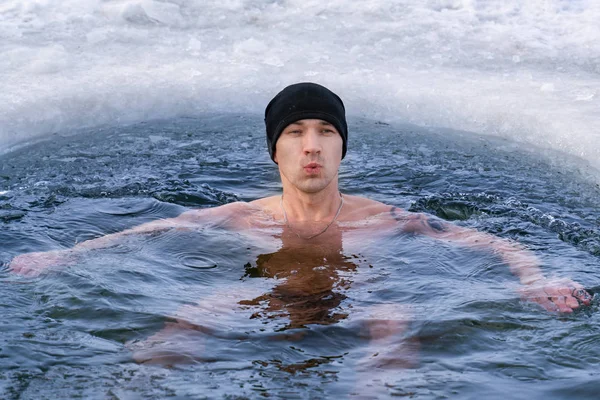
(309, 121)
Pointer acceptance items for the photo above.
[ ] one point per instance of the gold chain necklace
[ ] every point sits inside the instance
(285, 219)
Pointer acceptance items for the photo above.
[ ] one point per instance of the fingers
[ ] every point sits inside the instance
(33, 264)
(564, 300)
(571, 302)
(546, 302)
(572, 294)
(539, 296)
(20, 265)
(26, 267)
(561, 303)
(562, 296)
(582, 295)
(553, 303)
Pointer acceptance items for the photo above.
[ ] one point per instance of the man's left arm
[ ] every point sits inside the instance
(563, 295)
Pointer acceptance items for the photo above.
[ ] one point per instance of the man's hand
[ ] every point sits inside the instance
(33, 264)
(557, 295)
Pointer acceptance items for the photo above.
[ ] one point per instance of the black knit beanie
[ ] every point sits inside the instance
(304, 101)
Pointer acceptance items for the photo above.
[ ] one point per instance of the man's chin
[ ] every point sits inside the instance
(314, 185)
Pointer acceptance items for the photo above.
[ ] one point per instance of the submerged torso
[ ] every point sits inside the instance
(311, 274)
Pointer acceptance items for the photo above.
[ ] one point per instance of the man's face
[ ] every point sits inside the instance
(309, 153)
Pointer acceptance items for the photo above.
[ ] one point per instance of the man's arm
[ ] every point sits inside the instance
(32, 264)
(561, 295)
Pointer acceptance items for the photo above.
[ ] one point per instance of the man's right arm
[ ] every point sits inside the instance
(32, 264)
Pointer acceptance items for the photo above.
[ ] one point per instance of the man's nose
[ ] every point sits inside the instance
(312, 142)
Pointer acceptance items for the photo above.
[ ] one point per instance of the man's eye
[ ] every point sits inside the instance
(327, 131)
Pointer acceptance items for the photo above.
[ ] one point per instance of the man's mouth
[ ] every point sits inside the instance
(312, 168)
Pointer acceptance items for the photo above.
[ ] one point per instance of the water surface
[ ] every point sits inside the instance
(465, 331)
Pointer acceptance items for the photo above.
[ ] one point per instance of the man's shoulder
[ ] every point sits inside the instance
(265, 202)
(238, 208)
(358, 207)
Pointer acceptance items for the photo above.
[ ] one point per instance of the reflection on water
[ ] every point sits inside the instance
(283, 318)
(307, 282)
(310, 280)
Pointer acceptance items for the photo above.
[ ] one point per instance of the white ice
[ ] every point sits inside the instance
(528, 71)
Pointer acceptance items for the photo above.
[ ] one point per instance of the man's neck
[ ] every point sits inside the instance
(301, 206)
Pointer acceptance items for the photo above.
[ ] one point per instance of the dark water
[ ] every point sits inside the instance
(466, 333)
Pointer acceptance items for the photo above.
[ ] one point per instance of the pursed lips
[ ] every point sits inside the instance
(312, 167)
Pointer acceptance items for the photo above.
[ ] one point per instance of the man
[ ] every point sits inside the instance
(307, 138)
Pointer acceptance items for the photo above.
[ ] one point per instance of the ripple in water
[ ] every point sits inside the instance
(197, 262)
(465, 329)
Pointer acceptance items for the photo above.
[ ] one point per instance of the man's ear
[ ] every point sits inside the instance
(275, 158)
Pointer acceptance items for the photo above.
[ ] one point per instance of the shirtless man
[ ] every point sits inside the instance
(307, 139)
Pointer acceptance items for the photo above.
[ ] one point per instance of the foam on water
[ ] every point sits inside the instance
(527, 71)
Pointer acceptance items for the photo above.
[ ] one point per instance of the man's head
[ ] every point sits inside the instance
(303, 101)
